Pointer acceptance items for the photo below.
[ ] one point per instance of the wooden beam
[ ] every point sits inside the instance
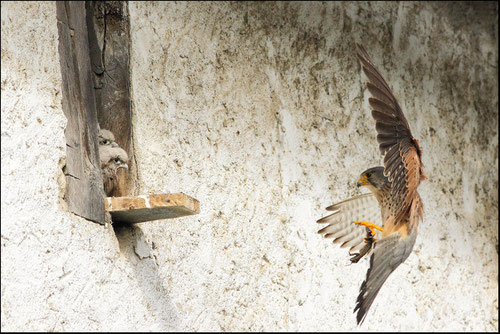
(84, 191)
(109, 43)
(144, 208)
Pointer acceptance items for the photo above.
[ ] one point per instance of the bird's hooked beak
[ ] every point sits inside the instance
(123, 166)
(362, 181)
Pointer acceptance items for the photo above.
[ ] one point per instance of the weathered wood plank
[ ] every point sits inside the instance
(84, 181)
(109, 36)
(151, 207)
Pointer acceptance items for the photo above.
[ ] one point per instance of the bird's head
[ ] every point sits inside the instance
(373, 177)
(106, 138)
(113, 157)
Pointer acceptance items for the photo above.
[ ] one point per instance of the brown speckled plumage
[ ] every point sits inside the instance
(394, 186)
(112, 157)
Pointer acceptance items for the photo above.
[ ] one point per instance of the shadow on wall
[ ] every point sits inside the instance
(138, 254)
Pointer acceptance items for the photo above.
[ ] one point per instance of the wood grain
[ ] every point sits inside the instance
(84, 180)
(151, 207)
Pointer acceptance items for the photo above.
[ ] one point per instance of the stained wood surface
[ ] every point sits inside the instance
(83, 175)
(144, 208)
(109, 37)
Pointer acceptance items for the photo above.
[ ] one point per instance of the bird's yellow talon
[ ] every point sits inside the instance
(371, 226)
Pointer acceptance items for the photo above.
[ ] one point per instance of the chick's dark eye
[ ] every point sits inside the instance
(117, 160)
(368, 175)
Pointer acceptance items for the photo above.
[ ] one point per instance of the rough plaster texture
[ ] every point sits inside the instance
(259, 111)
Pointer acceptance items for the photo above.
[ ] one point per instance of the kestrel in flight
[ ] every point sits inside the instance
(393, 187)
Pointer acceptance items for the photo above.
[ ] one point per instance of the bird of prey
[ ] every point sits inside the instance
(106, 137)
(393, 187)
(112, 158)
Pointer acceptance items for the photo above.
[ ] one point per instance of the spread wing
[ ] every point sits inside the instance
(341, 225)
(402, 154)
(387, 255)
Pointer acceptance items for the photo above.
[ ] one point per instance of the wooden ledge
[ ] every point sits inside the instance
(145, 208)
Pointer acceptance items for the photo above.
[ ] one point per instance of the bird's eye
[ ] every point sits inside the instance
(106, 142)
(117, 159)
(368, 175)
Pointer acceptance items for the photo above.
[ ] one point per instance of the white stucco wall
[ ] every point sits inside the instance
(260, 112)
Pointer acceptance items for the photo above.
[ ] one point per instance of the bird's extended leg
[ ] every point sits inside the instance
(371, 226)
(369, 240)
